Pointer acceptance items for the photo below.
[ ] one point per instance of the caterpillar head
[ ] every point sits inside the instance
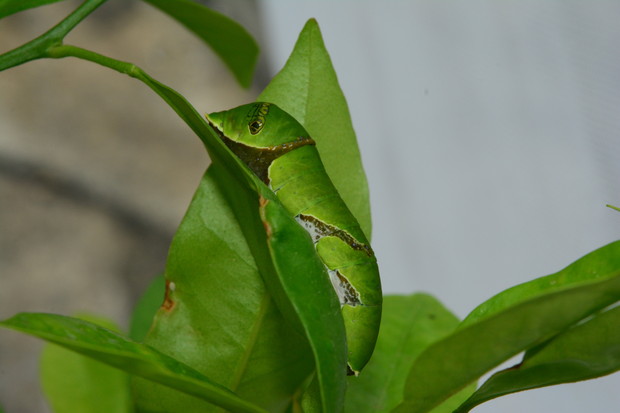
(258, 124)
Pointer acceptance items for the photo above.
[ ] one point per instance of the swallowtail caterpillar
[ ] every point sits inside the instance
(282, 154)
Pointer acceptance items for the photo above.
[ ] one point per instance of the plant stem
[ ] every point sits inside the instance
(39, 48)
(60, 51)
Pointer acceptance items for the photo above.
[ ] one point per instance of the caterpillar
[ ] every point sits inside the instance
(280, 152)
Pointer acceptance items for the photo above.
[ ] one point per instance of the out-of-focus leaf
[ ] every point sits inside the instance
(459, 359)
(588, 350)
(135, 358)
(308, 89)
(235, 46)
(408, 325)
(75, 383)
(145, 309)
(8, 7)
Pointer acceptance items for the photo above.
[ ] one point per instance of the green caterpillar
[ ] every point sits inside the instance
(282, 154)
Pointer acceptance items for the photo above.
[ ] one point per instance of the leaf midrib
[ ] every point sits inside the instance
(250, 344)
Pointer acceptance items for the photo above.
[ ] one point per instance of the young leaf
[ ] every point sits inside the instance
(8, 7)
(135, 358)
(588, 350)
(76, 383)
(462, 357)
(308, 89)
(409, 324)
(235, 46)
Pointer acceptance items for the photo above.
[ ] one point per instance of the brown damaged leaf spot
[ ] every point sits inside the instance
(169, 303)
(262, 203)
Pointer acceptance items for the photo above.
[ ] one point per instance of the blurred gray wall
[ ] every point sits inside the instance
(489, 133)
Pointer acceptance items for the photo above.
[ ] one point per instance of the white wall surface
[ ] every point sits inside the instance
(489, 133)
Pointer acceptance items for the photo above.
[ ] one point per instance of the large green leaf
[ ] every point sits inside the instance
(598, 264)
(308, 89)
(459, 359)
(408, 325)
(588, 350)
(135, 358)
(218, 315)
(8, 7)
(235, 46)
(76, 383)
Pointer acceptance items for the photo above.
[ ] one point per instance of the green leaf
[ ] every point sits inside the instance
(598, 264)
(459, 359)
(145, 309)
(218, 315)
(304, 281)
(588, 350)
(409, 324)
(135, 358)
(235, 46)
(75, 383)
(8, 7)
(310, 399)
(308, 89)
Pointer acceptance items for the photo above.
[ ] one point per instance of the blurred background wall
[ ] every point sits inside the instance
(489, 133)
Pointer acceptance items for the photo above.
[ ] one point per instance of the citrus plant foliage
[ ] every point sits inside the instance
(245, 317)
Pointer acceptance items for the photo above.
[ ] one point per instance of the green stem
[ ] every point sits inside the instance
(613, 207)
(60, 51)
(39, 48)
